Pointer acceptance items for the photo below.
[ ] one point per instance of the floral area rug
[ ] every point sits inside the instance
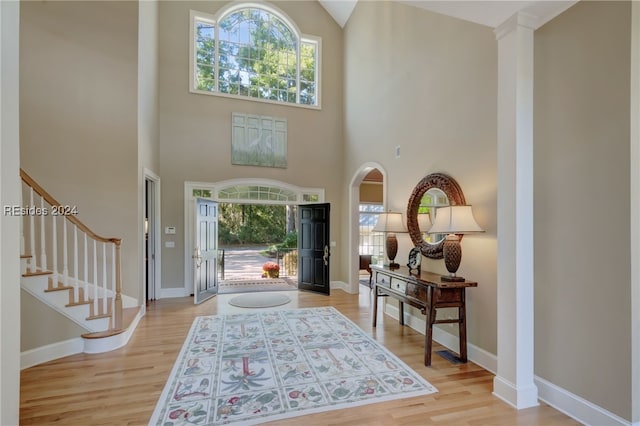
(263, 366)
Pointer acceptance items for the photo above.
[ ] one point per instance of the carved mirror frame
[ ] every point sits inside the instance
(454, 194)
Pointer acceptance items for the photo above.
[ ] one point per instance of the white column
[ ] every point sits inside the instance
(9, 225)
(514, 379)
(635, 213)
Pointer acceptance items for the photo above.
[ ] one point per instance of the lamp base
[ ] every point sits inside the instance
(393, 265)
(449, 278)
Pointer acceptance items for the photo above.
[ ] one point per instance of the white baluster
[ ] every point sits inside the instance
(95, 278)
(54, 242)
(32, 235)
(76, 269)
(104, 278)
(86, 269)
(43, 247)
(65, 255)
(113, 284)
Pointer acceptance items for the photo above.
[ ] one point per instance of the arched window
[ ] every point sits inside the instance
(255, 51)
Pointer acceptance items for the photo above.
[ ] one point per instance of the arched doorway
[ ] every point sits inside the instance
(367, 190)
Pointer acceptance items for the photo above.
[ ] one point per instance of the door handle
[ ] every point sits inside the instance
(198, 257)
(325, 257)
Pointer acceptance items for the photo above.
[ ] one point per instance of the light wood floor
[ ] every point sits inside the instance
(122, 387)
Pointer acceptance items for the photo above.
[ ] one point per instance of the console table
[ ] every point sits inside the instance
(427, 292)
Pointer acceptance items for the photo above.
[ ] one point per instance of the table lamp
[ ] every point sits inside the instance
(390, 223)
(453, 221)
(424, 223)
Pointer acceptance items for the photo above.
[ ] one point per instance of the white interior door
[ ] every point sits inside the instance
(205, 253)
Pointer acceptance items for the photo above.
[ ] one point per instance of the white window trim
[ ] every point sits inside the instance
(213, 19)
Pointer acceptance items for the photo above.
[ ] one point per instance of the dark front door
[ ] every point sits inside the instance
(313, 247)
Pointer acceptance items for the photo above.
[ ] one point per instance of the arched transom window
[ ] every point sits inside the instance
(254, 51)
(254, 191)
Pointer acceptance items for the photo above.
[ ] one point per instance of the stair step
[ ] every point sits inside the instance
(25, 256)
(36, 273)
(94, 317)
(102, 334)
(85, 302)
(128, 315)
(66, 287)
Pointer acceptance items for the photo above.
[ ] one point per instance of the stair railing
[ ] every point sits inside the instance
(90, 265)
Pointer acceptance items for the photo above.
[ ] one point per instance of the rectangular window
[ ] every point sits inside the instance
(371, 242)
(205, 54)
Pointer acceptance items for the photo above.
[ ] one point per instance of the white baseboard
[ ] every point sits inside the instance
(518, 397)
(576, 407)
(50, 352)
(561, 399)
(340, 285)
(167, 293)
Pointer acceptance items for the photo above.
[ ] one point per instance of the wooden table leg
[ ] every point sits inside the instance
(401, 309)
(431, 317)
(462, 328)
(374, 309)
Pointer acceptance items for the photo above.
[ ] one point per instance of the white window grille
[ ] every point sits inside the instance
(371, 242)
(254, 51)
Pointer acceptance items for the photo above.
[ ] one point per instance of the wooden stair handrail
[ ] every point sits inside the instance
(73, 219)
(117, 324)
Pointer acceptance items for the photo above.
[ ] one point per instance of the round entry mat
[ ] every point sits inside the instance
(259, 300)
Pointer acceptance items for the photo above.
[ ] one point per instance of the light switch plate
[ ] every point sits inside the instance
(170, 244)
(170, 230)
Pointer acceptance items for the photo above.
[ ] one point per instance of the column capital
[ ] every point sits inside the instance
(517, 21)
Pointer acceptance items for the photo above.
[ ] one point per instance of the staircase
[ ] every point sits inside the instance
(76, 272)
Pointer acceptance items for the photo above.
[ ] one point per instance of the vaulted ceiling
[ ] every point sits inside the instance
(491, 13)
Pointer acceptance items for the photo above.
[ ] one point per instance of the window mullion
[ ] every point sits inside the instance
(216, 56)
(298, 62)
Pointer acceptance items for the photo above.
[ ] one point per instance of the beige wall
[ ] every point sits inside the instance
(78, 114)
(581, 159)
(195, 130)
(148, 85)
(41, 325)
(427, 83)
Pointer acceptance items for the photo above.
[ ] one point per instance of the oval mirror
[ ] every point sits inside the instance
(433, 191)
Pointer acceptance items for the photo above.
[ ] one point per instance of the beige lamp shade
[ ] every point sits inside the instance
(390, 222)
(454, 220)
(424, 222)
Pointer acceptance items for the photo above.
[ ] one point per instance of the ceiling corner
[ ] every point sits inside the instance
(340, 10)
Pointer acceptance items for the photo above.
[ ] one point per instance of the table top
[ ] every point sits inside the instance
(425, 277)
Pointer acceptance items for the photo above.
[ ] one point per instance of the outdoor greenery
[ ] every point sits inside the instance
(290, 242)
(257, 57)
(251, 224)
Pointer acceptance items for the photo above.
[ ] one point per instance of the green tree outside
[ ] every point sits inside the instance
(251, 224)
